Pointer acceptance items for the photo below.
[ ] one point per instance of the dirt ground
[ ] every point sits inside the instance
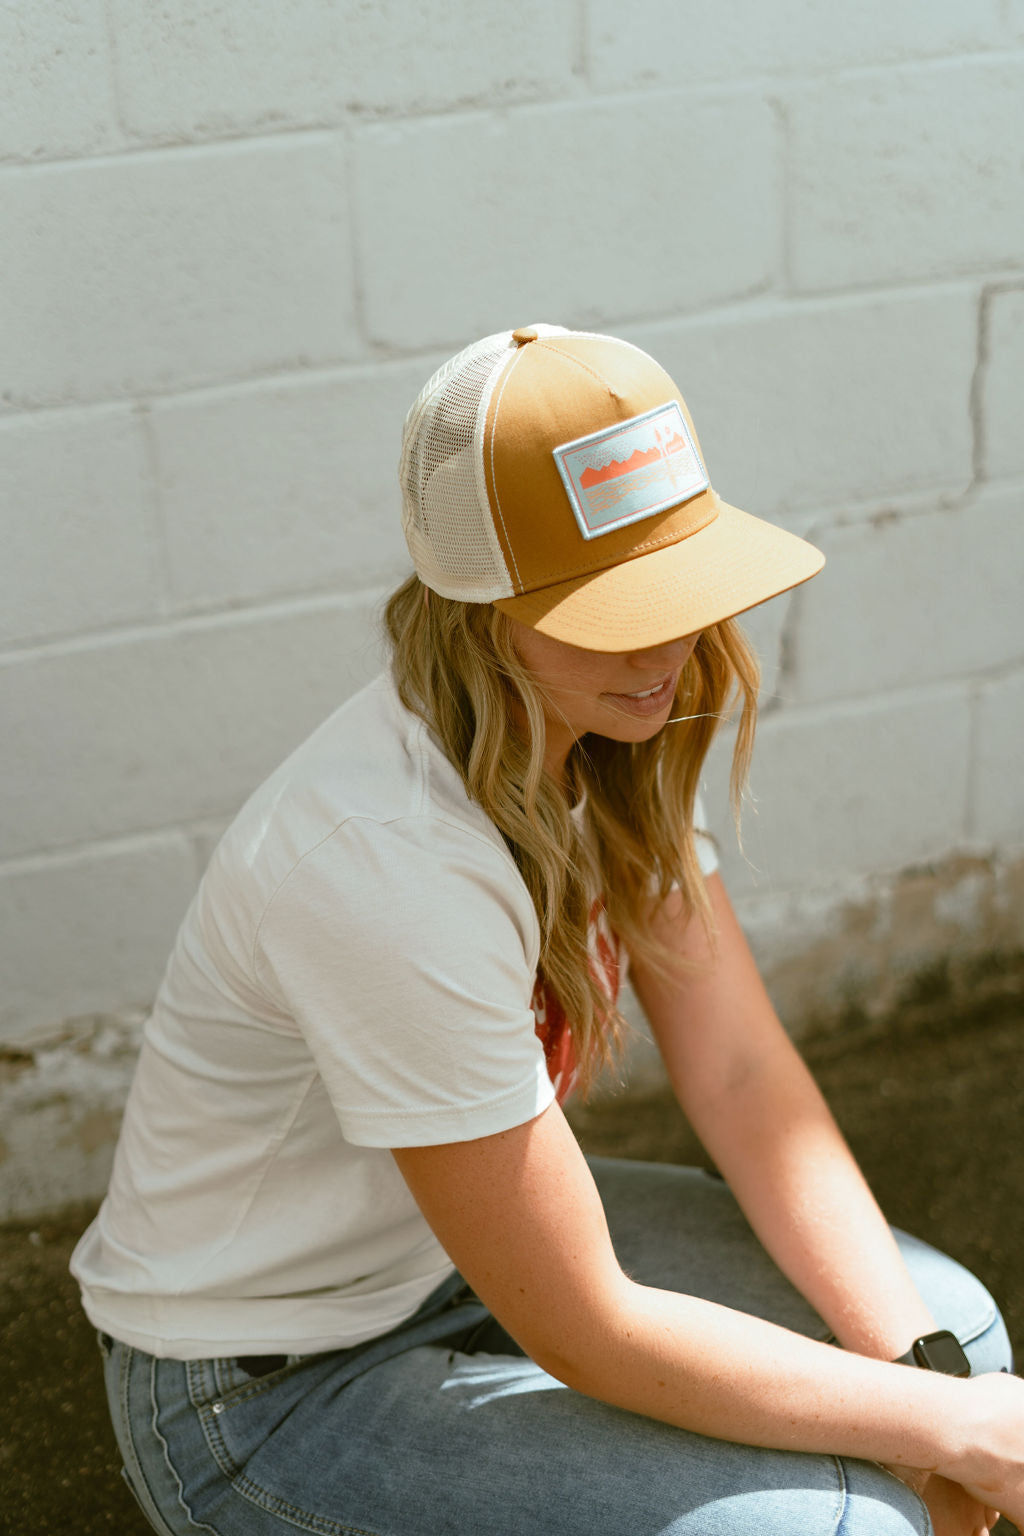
(930, 1100)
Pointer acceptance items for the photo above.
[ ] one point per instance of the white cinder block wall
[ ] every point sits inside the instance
(236, 236)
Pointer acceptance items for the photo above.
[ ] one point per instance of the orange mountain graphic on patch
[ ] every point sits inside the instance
(635, 461)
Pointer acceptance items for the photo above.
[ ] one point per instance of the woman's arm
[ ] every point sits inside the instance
(755, 1107)
(520, 1216)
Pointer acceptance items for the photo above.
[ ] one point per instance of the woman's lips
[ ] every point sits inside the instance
(648, 704)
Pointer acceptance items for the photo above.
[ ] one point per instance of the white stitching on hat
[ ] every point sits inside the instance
(494, 480)
(656, 542)
(570, 358)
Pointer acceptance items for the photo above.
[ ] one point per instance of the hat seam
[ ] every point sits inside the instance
(578, 361)
(494, 476)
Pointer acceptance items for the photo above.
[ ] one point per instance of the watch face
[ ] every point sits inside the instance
(943, 1352)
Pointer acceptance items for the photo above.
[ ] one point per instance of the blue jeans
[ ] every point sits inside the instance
(444, 1428)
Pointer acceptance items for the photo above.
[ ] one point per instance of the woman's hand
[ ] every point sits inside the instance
(954, 1512)
(989, 1462)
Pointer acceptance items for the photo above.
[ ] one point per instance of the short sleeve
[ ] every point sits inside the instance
(406, 953)
(707, 856)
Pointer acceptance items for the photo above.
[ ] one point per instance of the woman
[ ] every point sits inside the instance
(353, 1273)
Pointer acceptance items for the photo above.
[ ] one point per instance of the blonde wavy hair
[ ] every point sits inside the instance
(456, 666)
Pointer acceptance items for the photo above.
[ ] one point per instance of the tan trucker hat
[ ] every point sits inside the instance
(558, 475)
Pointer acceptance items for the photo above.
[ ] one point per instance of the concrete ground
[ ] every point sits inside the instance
(930, 1100)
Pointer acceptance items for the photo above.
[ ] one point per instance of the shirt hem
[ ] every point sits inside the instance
(199, 1345)
(429, 1127)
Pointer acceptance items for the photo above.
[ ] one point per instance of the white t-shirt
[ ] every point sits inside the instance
(356, 972)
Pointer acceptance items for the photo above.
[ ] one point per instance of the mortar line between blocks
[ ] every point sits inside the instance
(283, 608)
(360, 308)
(114, 73)
(976, 391)
(114, 845)
(581, 65)
(971, 777)
(784, 130)
(157, 510)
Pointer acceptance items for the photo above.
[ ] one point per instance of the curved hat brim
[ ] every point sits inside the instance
(733, 563)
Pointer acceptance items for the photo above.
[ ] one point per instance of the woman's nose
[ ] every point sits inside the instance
(668, 655)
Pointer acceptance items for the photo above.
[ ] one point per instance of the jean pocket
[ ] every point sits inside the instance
(229, 1376)
(217, 1386)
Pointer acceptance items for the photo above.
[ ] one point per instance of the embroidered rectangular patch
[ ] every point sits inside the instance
(631, 471)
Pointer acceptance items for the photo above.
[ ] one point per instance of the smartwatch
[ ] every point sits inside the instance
(940, 1351)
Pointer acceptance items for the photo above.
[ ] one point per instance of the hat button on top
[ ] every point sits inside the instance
(525, 333)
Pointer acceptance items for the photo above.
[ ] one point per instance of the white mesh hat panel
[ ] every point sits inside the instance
(448, 527)
(447, 519)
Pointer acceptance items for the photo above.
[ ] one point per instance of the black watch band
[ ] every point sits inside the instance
(941, 1351)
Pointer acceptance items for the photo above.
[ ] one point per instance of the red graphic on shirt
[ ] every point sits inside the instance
(551, 1023)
